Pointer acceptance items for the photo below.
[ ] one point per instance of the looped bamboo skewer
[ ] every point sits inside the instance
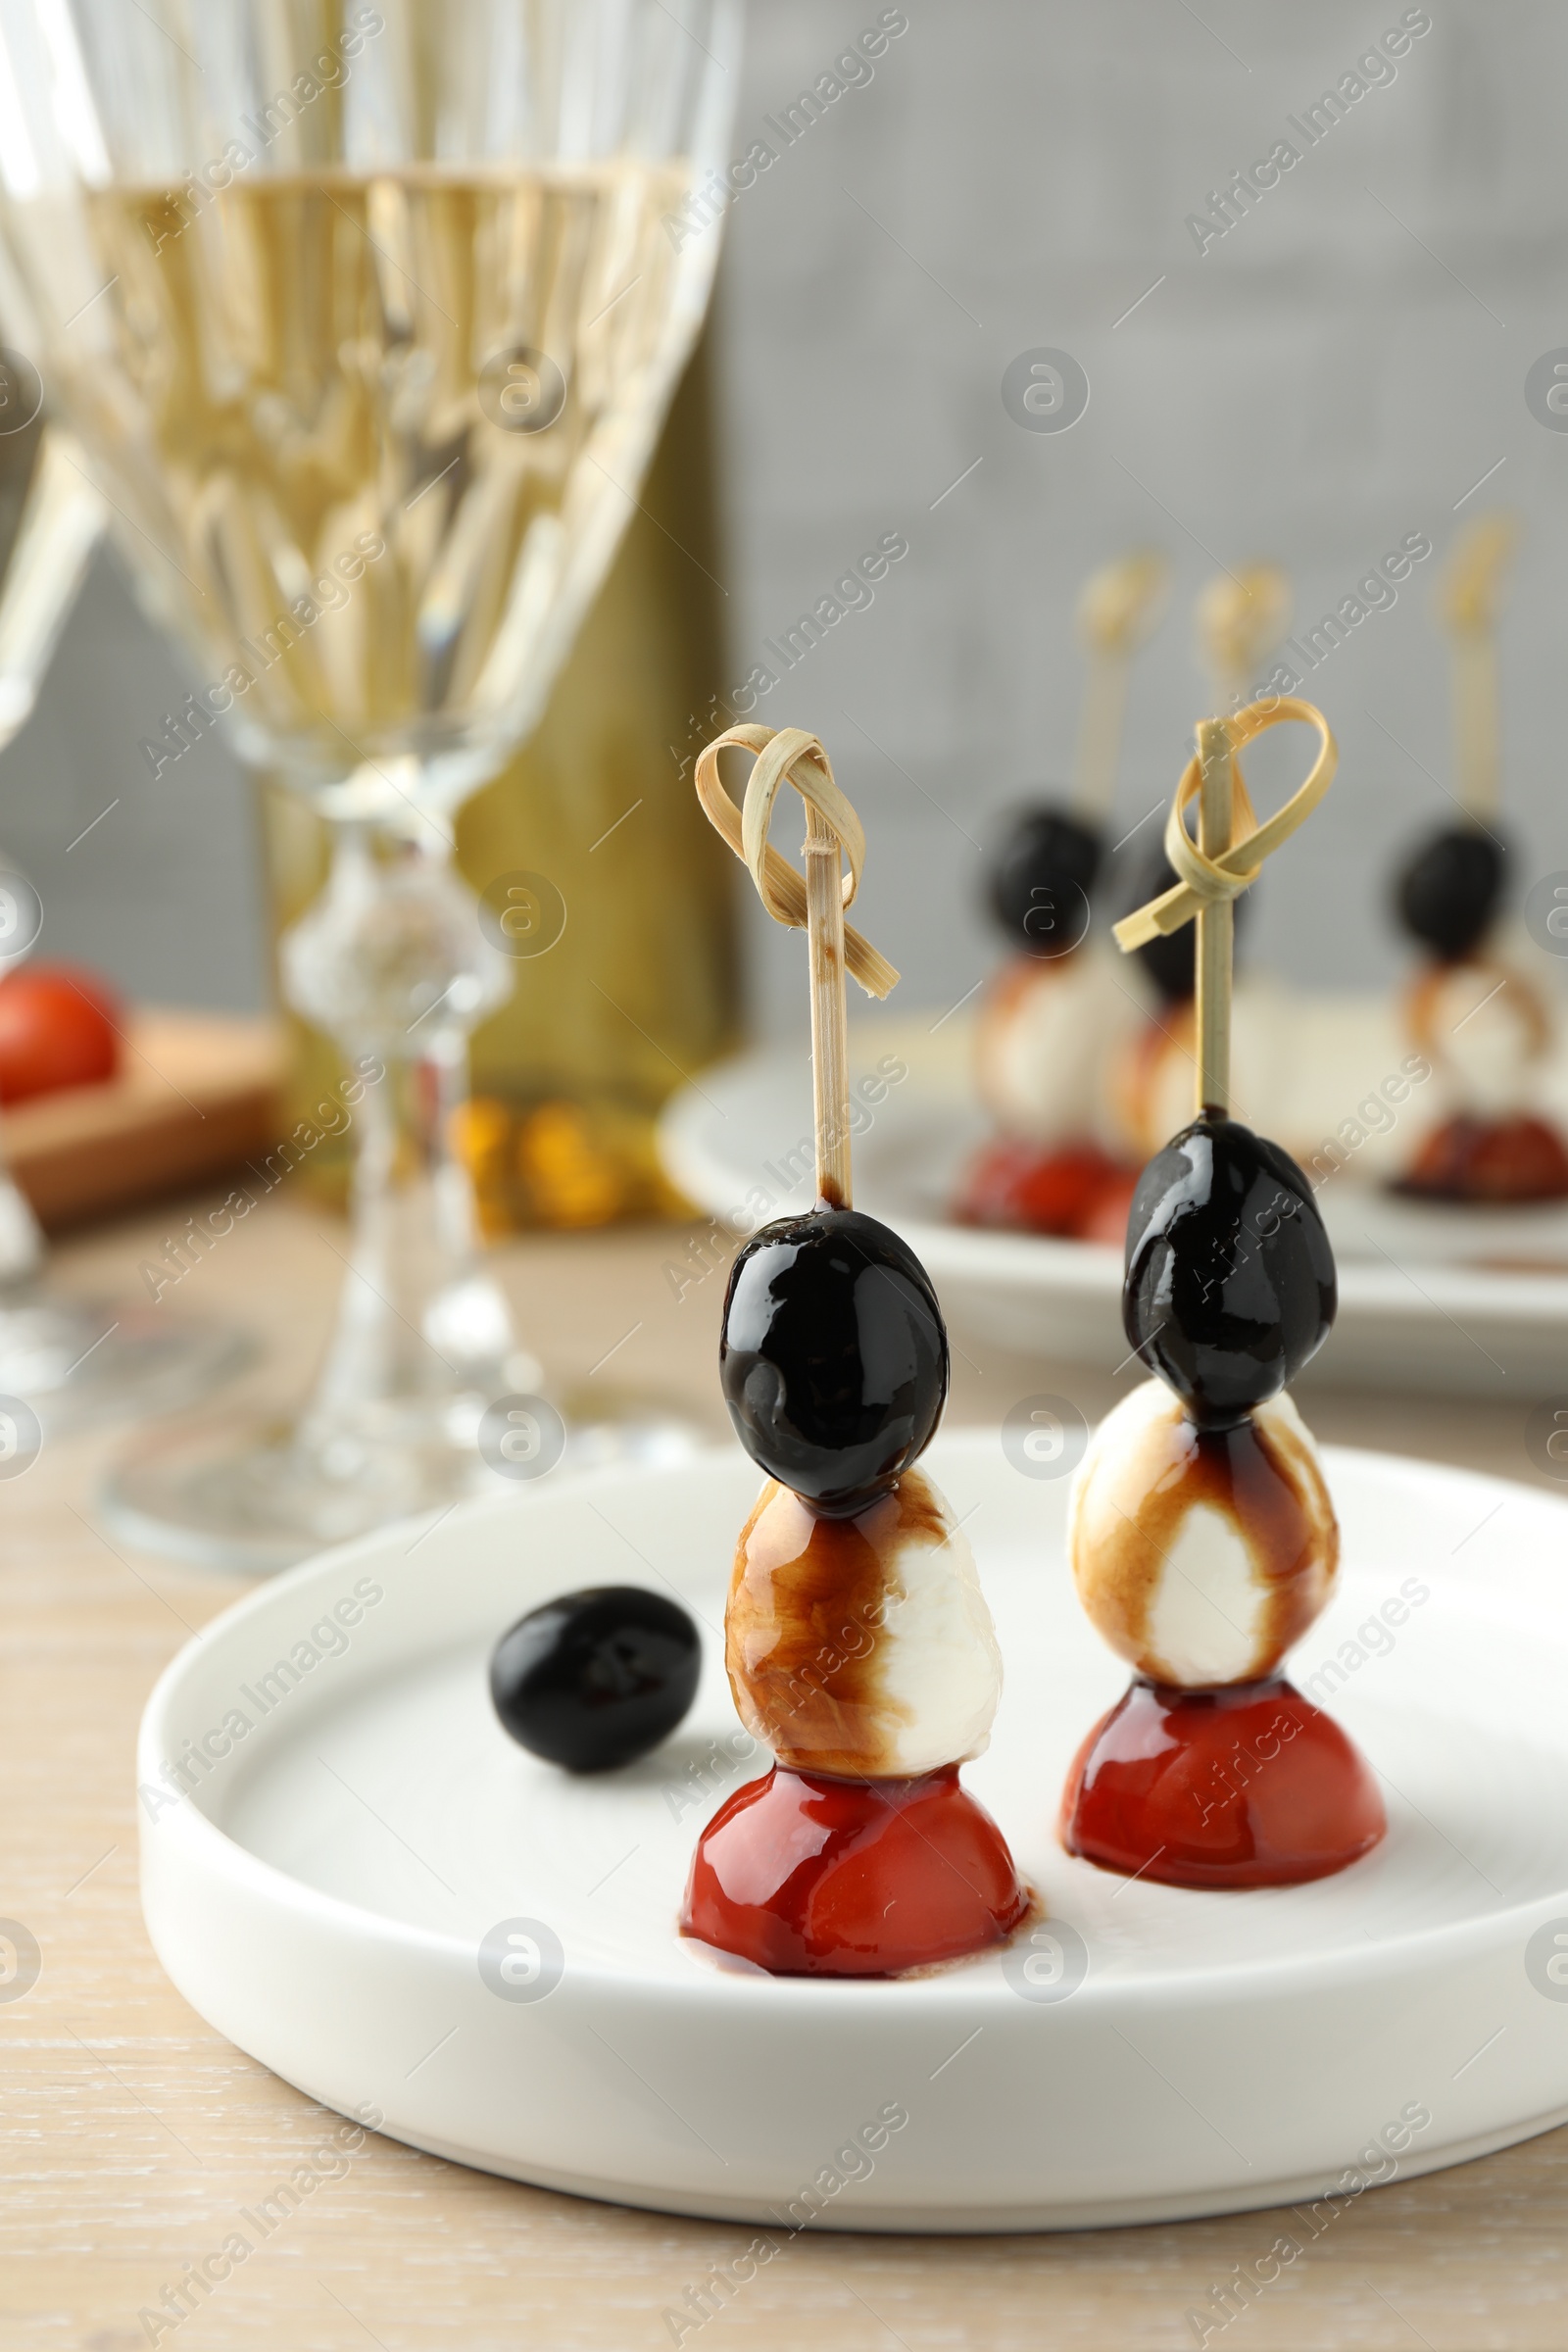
(1221, 863)
(1215, 877)
(1468, 597)
(834, 838)
(1240, 620)
(778, 885)
(1119, 607)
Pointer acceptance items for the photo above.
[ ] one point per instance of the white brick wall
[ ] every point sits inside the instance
(1310, 389)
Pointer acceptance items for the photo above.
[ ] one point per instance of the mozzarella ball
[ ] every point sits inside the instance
(1150, 1082)
(1202, 1559)
(1486, 1029)
(862, 1647)
(1043, 1038)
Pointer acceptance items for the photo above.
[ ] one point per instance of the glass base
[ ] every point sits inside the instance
(80, 1360)
(256, 1498)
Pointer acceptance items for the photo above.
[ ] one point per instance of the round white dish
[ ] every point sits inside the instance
(1437, 1299)
(324, 1892)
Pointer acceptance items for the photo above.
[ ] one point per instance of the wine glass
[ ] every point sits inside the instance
(63, 1359)
(369, 319)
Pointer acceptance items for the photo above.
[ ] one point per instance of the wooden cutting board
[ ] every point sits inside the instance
(197, 1094)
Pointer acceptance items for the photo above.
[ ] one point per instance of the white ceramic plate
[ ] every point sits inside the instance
(1434, 1299)
(324, 1893)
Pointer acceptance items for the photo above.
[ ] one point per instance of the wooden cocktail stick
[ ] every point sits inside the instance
(1216, 918)
(830, 1024)
(1240, 619)
(1468, 598)
(834, 838)
(1227, 856)
(1117, 611)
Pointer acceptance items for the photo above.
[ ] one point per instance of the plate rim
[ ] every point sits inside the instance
(212, 1849)
(1093, 1270)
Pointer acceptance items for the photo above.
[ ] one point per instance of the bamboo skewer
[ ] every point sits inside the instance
(1475, 724)
(830, 1028)
(1119, 609)
(1215, 918)
(1240, 619)
(1468, 599)
(834, 838)
(1228, 855)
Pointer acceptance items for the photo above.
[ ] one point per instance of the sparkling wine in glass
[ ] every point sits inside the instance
(369, 318)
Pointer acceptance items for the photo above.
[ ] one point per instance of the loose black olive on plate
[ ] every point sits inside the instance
(1230, 1286)
(595, 1679)
(1450, 890)
(834, 1356)
(1042, 873)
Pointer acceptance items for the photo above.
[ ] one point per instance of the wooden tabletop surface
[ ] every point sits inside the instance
(131, 2133)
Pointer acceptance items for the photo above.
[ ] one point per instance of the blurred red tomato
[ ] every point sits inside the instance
(1074, 1191)
(58, 1027)
(1105, 1220)
(1512, 1159)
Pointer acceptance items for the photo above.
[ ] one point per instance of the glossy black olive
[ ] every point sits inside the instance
(596, 1678)
(834, 1356)
(1451, 890)
(1041, 876)
(1168, 957)
(1230, 1286)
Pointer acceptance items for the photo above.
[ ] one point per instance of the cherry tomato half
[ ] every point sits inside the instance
(58, 1027)
(1073, 1190)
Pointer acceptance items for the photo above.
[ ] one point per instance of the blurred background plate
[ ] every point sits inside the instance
(1432, 1300)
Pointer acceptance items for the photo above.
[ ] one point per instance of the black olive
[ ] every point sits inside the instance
(834, 1357)
(1451, 889)
(1230, 1286)
(596, 1678)
(1168, 957)
(1042, 873)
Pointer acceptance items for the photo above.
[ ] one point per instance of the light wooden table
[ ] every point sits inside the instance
(132, 2134)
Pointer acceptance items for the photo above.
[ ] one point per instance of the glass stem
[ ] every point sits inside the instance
(392, 963)
(22, 1242)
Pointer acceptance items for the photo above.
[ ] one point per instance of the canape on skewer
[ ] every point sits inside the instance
(858, 1644)
(1239, 620)
(1201, 1534)
(1050, 1021)
(1470, 1009)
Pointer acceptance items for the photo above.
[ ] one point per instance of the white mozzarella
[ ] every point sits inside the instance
(861, 1647)
(1176, 1578)
(1044, 1038)
(940, 1668)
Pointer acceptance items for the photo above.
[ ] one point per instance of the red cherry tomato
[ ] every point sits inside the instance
(1517, 1158)
(1073, 1190)
(58, 1027)
(1105, 1220)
